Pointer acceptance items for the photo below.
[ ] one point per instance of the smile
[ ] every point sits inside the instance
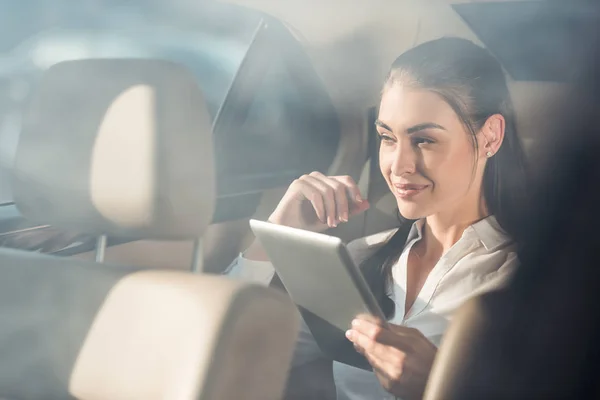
(409, 190)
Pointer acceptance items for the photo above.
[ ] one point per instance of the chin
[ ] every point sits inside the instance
(412, 211)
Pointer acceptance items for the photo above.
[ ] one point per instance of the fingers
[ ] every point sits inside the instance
(334, 199)
(401, 357)
(347, 196)
(351, 187)
(390, 370)
(357, 204)
(340, 196)
(385, 359)
(315, 196)
(399, 337)
(328, 197)
(366, 331)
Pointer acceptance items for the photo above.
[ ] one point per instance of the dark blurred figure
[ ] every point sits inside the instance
(540, 339)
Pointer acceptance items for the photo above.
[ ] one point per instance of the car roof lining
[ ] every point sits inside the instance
(534, 40)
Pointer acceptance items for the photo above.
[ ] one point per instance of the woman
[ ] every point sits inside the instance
(450, 154)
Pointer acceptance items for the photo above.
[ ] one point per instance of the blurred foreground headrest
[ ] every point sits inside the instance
(117, 147)
(73, 330)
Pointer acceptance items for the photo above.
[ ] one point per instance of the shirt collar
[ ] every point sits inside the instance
(416, 231)
(487, 230)
(490, 233)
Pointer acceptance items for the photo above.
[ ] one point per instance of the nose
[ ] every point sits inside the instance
(405, 158)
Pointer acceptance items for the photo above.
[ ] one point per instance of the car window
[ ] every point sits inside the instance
(210, 39)
(273, 119)
(281, 116)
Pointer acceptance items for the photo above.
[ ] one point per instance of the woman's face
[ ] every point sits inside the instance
(426, 156)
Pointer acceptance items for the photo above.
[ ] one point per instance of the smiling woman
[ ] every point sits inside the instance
(446, 125)
(450, 155)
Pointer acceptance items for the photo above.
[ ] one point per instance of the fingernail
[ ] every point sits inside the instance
(355, 322)
(359, 199)
(349, 334)
(345, 217)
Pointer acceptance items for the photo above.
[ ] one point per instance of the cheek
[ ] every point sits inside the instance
(385, 163)
(452, 170)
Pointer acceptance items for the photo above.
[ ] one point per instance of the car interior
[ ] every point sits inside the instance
(138, 138)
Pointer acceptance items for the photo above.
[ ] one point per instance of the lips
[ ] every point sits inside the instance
(410, 186)
(406, 190)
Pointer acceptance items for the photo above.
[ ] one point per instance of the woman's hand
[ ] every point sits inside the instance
(315, 202)
(401, 357)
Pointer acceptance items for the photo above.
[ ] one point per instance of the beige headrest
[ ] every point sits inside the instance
(169, 335)
(117, 147)
(450, 375)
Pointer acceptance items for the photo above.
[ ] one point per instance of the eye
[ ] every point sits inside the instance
(417, 141)
(386, 138)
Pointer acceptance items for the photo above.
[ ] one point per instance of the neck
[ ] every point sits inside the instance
(442, 230)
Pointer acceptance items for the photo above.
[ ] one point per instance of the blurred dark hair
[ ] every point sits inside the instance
(472, 82)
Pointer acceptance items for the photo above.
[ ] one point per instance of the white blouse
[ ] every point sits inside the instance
(480, 261)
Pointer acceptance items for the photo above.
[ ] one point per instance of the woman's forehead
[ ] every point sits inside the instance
(402, 108)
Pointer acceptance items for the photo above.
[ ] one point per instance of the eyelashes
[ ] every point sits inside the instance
(385, 138)
(415, 140)
(422, 140)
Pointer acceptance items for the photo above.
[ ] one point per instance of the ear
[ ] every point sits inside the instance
(492, 135)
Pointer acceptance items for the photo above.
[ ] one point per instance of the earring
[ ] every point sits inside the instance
(489, 154)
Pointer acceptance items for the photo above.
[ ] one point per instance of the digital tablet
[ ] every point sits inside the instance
(324, 282)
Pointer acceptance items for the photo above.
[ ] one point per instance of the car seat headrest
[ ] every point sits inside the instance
(117, 147)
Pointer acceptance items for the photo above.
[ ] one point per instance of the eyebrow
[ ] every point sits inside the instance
(413, 129)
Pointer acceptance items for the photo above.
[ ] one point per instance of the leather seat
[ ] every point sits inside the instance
(76, 329)
(123, 148)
